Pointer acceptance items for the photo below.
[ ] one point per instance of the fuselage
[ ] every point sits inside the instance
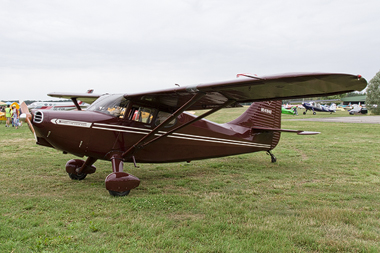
(99, 132)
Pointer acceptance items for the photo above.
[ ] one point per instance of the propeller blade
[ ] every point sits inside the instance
(28, 116)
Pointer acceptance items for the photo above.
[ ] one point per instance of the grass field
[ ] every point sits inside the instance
(322, 195)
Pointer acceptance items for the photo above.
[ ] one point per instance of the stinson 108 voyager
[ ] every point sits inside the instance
(153, 127)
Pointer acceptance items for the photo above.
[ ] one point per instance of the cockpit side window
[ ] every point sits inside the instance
(142, 114)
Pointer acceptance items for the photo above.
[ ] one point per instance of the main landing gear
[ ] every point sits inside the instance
(118, 183)
(304, 113)
(78, 169)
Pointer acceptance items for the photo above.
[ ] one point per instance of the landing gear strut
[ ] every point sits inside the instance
(119, 183)
(273, 158)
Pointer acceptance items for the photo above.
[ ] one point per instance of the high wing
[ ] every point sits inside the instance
(230, 94)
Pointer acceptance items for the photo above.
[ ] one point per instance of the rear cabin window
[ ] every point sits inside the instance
(162, 116)
(146, 115)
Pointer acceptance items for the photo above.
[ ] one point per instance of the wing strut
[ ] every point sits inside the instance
(75, 101)
(180, 110)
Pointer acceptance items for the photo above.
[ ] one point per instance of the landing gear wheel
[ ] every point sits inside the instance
(77, 176)
(314, 113)
(119, 194)
(304, 113)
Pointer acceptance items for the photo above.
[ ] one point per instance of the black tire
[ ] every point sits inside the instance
(314, 113)
(119, 194)
(77, 177)
(304, 113)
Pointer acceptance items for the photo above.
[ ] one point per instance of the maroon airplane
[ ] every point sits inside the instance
(153, 127)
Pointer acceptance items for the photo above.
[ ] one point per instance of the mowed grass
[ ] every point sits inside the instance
(322, 195)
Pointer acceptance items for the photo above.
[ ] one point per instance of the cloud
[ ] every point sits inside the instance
(123, 46)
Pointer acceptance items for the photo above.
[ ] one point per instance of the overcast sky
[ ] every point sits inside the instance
(127, 46)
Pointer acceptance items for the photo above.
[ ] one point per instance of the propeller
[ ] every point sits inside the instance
(26, 116)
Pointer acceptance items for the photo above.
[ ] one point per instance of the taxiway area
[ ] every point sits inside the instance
(353, 119)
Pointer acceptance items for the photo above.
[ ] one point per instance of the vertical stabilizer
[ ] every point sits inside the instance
(262, 114)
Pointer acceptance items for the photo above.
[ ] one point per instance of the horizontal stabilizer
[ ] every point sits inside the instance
(257, 129)
(307, 133)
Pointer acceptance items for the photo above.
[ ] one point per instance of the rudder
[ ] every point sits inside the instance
(262, 114)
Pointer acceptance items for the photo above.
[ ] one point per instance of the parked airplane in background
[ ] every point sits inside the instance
(315, 107)
(358, 109)
(50, 105)
(291, 111)
(153, 127)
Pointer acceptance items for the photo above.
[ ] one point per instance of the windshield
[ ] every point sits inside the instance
(110, 104)
(116, 105)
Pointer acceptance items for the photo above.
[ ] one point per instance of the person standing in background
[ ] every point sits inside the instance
(8, 115)
(15, 117)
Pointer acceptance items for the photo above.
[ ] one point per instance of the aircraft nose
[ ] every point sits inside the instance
(42, 131)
